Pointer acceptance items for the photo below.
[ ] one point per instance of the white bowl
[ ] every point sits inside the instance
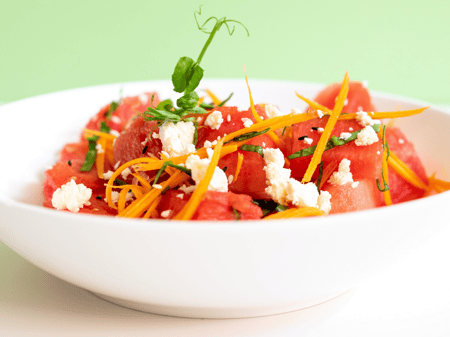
(203, 269)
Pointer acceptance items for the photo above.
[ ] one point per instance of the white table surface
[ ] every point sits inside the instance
(410, 298)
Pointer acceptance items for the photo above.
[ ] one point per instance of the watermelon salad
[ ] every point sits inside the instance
(146, 157)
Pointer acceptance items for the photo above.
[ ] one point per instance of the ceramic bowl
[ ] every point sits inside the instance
(204, 269)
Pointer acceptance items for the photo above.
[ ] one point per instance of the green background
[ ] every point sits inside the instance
(400, 47)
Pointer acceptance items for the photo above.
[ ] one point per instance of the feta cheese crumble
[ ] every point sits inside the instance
(198, 167)
(108, 175)
(345, 135)
(214, 120)
(308, 140)
(272, 111)
(166, 214)
(247, 122)
(364, 119)
(343, 175)
(71, 196)
(284, 190)
(366, 136)
(177, 139)
(99, 148)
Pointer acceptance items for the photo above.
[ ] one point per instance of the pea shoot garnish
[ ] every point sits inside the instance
(186, 78)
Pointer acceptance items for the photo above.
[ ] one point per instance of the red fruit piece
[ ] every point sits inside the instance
(135, 141)
(345, 198)
(365, 160)
(215, 206)
(401, 190)
(252, 178)
(129, 107)
(358, 97)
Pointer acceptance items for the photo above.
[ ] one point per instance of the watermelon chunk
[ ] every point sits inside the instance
(401, 190)
(129, 107)
(358, 97)
(366, 161)
(134, 141)
(215, 206)
(252, 178)
(345, 198)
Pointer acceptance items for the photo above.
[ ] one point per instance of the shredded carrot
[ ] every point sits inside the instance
(145, 184)
(388, 114)
(139, 206)
(152, 208)
(258, 119)
(189, 209)
(314, 105)
(238, 166)
(438, 185)
(214, 98)
(317, 156)
(405, 171)
(90, 133)
(295, 213)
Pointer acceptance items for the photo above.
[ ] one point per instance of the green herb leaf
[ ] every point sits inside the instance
(195, 78)
(188, 100)
(236, 213)
(104, 127)
(253, 148)
(281, 208)
(166, 105)
(91, 154)
(248, 135)
(170, 163)
(180, 73)
(207, 105)
(225, 100)
(319, 179)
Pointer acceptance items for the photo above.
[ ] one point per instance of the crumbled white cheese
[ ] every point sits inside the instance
(346, 102)
(229, 118)
(116, 119)
(155, 135)
(378, 152)
(143, 98)
(125, 173)
(199, 119)
(71, 196)
(198, 167)
(366, 136)
(214, 120)
(247, 122)
(117, 165)
(209, 144)
(301, 195)
(364, 119)
(164, 154)
(157, 186)
(99, 148)
(355, 184)
(343, 175)
(350, 129)
(230, 179)
(108, 175)
(114, 197)
(187, 189)
(345, 135)
(320, 113)
(284, 189)
(272, 111)
(320, 130)
(308, 140)
(166, 214)
(401, 141)
(181, 195)
(177, 139)
(324, 202)
(114, 132)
